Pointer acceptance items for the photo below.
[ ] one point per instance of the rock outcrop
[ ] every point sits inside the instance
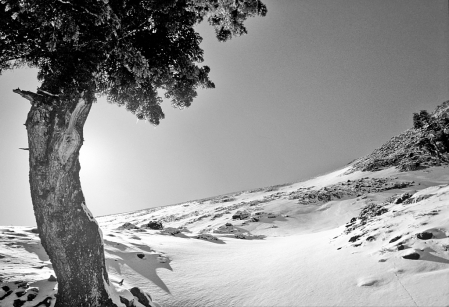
(424, 145)
(128, 226)
(155, 225)
(351, 188)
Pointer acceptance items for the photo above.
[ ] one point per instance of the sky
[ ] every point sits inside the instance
(314, 85)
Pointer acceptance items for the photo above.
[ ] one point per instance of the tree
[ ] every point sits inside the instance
(417, 123)
(122, 49)
(421, 119)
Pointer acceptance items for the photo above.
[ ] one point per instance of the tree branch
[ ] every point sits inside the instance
(32, 97)
(86, 10)
(13, 59)
(48, 93)
(138, 28)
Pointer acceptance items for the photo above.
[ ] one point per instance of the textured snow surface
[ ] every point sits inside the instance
(292, 254)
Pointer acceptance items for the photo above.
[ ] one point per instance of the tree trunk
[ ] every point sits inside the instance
(68, 231)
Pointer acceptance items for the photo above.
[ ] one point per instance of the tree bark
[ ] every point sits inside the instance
(68, 231)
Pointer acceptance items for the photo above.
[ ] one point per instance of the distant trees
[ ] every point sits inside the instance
(420, 119)
(122, 49)
(434, 130)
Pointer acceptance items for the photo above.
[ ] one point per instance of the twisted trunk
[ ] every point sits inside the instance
(68, 231)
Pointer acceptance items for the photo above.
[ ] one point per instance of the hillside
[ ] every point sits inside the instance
(373, 233)
(424, 145)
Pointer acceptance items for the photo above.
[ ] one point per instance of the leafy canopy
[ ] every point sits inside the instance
(123, 49)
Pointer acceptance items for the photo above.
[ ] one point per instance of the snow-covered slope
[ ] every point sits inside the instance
(375, 233)
(338, 239)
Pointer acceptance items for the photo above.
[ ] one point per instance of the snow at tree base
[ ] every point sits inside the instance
(375, 232)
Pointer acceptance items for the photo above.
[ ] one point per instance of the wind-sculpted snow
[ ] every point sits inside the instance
(412, 226)
(201, 241)
(357, 239)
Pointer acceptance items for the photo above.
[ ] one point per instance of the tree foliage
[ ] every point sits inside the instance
(123, 49)
(421, 119)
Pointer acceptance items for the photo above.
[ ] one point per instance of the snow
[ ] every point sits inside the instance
(303, 256)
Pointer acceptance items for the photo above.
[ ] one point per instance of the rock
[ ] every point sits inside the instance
(354, 238)
(240, 215)
(424, 235)
(223, 199)
(216, 216)
(248, 236)
(22, 284)
(140, 255)
(226, 229)
(7, 292)
(368, 212)
(128, 226)
(402, 198)
(127, 302)
(31, 296)
(407, 166)
(142, 297)
(171, 231)
(372, 210)
(52, 278)
(18, 303)
(423, 197)
(156, 225)
(162, 259)
(207, 237)
(46, 302)
(411, 256)
(183, 229)
(371, 238)
(401, 247)
(395, 239)
(20, 293)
